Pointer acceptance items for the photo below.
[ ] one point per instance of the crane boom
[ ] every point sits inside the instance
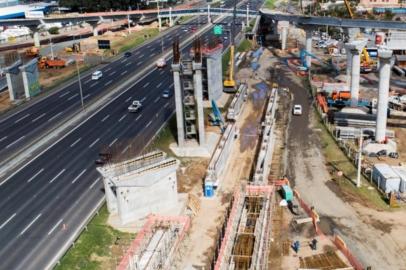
(347, 5)
(230, 81)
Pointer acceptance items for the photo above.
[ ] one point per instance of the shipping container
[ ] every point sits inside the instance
(385, 178)
(401, 171)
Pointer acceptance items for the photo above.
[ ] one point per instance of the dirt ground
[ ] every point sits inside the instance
(205, 225)
(374, 237)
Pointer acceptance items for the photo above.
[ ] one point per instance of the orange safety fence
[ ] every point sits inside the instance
(310, 211)
(321, 100)
(340, 244)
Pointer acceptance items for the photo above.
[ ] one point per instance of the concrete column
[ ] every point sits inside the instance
(308, 46)
(178, 105)
(284, 37)
(170, 17)
(95, 31)
(36, 39)
(198, 86)
(355, 75)
(208, 14)
(384, 56)
(159, 24)
(247, 17)
(10, 87)
(349, 58)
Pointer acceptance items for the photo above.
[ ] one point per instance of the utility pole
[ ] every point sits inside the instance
(80, 85)
(359, 159)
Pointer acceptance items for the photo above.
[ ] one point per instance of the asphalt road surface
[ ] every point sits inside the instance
(44, 202)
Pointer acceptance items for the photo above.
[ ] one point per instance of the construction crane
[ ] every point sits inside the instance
(348, 6)
(230, 82)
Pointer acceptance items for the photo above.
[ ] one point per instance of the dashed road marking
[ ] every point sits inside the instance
(35, 175)
(138, 117)
(79, 175)
(146, 84)
(159, 85)
(124, 72)
(122, 117)
(113, 142)
(107, 83)
(73, 144)
(105, 118)
(55, 226)
(94, 183)
(156, 100)
(128, 99)
(25, 116)
(64, 94)
(149, 123)
(19, 139)
(56, 176)
(29, 225)
(93, 143)
(8, 220)
(39, 117)
(72, 97)
(55, 116)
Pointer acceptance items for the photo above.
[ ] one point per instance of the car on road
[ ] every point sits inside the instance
(103, 158)
(97, 75)
(166, 94)
(161, 62)
(135, 106)
(297, 109)
(128, 54)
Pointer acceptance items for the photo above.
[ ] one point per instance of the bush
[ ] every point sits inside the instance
(53, 30)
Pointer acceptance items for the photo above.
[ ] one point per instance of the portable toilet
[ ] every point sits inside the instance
(287, 193)
(208, 189)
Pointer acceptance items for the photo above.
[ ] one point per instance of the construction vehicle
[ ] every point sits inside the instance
(229, 82)
(32, 52)
(44, 62)
(216, 119)
(342, 95)
(75, 48)
(161, 62)
(397, 103)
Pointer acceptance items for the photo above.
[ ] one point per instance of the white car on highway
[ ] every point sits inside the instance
(297, 109)
(135, 106)
(97, 75)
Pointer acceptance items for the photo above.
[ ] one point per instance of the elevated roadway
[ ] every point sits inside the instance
(45, 202)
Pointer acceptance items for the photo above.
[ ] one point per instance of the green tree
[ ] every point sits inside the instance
(388, 16)
(53, 30)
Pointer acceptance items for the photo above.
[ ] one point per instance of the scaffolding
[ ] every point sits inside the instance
(156, 243)
(245, 243)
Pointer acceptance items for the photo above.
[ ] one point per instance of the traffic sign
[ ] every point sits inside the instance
(218, 30)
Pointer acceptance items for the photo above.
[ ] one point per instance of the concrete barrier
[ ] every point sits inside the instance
(237, 103)
(218, 160)
(264, 156)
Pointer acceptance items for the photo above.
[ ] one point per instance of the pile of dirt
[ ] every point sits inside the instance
(190, 176)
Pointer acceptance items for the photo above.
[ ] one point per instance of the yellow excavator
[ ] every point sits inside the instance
(229, 82)
(367, 63)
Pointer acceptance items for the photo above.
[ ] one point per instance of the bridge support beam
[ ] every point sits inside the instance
(36, 39)
(159, 24)
(384, 56)
(284, 27)
(355, 49)
(170, 17)
(178, 104)
(208, 14)
(308, 32)
(198, 85)
(247, 17)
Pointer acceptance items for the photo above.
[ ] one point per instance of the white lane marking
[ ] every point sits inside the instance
(166, 105)
(156, 100)
(94, 183)
(93, 143)
(107, 69)
(19, 139)
(112, 142)
(2, 139)
(125, 149)
(159, 85)
(138, 117)
(104, 119)
(149, 123)
(161, 72)
(122, 61)
(55, 226)
(56, 176)
(139, 63)
(152, 54)
(29, 225)
(55, 116)
(18, 120)
(170, 86)
(77, 177)
(35, 175)
(129, 63)
(8, 220)
(112, 73)
(128, 99)
(89, 80)
(124, 72)
(122, 117)
(64, 94)
(143, 99)
(107, 83)
(85, 97)
(141, 55)
(149, 46)
(39, 117)
(73, 144)
(146, 84)
(93, 84)
(72, 97)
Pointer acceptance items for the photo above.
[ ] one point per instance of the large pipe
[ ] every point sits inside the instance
(384, 56)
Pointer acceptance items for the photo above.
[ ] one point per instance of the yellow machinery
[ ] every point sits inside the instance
(347, 5)
(230, 83)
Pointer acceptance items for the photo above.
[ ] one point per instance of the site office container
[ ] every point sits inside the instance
(401, 171)
(385, 178)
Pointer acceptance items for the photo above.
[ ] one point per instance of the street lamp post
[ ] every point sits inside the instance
(359, 159)
(80, 85)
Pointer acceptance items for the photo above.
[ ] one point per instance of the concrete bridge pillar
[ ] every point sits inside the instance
(384, 56)
(349, 58)
(170, 17)
(159, 23)
(208, 14)
(308, 32)
(178, 104)
(35, 35)
(355, 48)
(284, 26)
(247, 16)
(198, 85)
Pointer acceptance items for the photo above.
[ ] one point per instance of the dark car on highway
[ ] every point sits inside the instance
(127, 54)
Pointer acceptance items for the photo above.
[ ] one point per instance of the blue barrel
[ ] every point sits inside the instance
(208, 190)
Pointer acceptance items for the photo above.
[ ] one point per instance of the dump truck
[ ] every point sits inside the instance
(343, 95)
(44, 62)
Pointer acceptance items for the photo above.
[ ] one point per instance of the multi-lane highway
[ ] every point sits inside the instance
(22, 127)
(45, 201)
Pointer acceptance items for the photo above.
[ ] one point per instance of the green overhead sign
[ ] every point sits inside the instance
(218, 30)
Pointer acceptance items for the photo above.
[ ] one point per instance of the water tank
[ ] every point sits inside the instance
(208, 189)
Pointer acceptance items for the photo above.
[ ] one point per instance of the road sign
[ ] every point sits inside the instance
(218, 30)
(104, 44)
